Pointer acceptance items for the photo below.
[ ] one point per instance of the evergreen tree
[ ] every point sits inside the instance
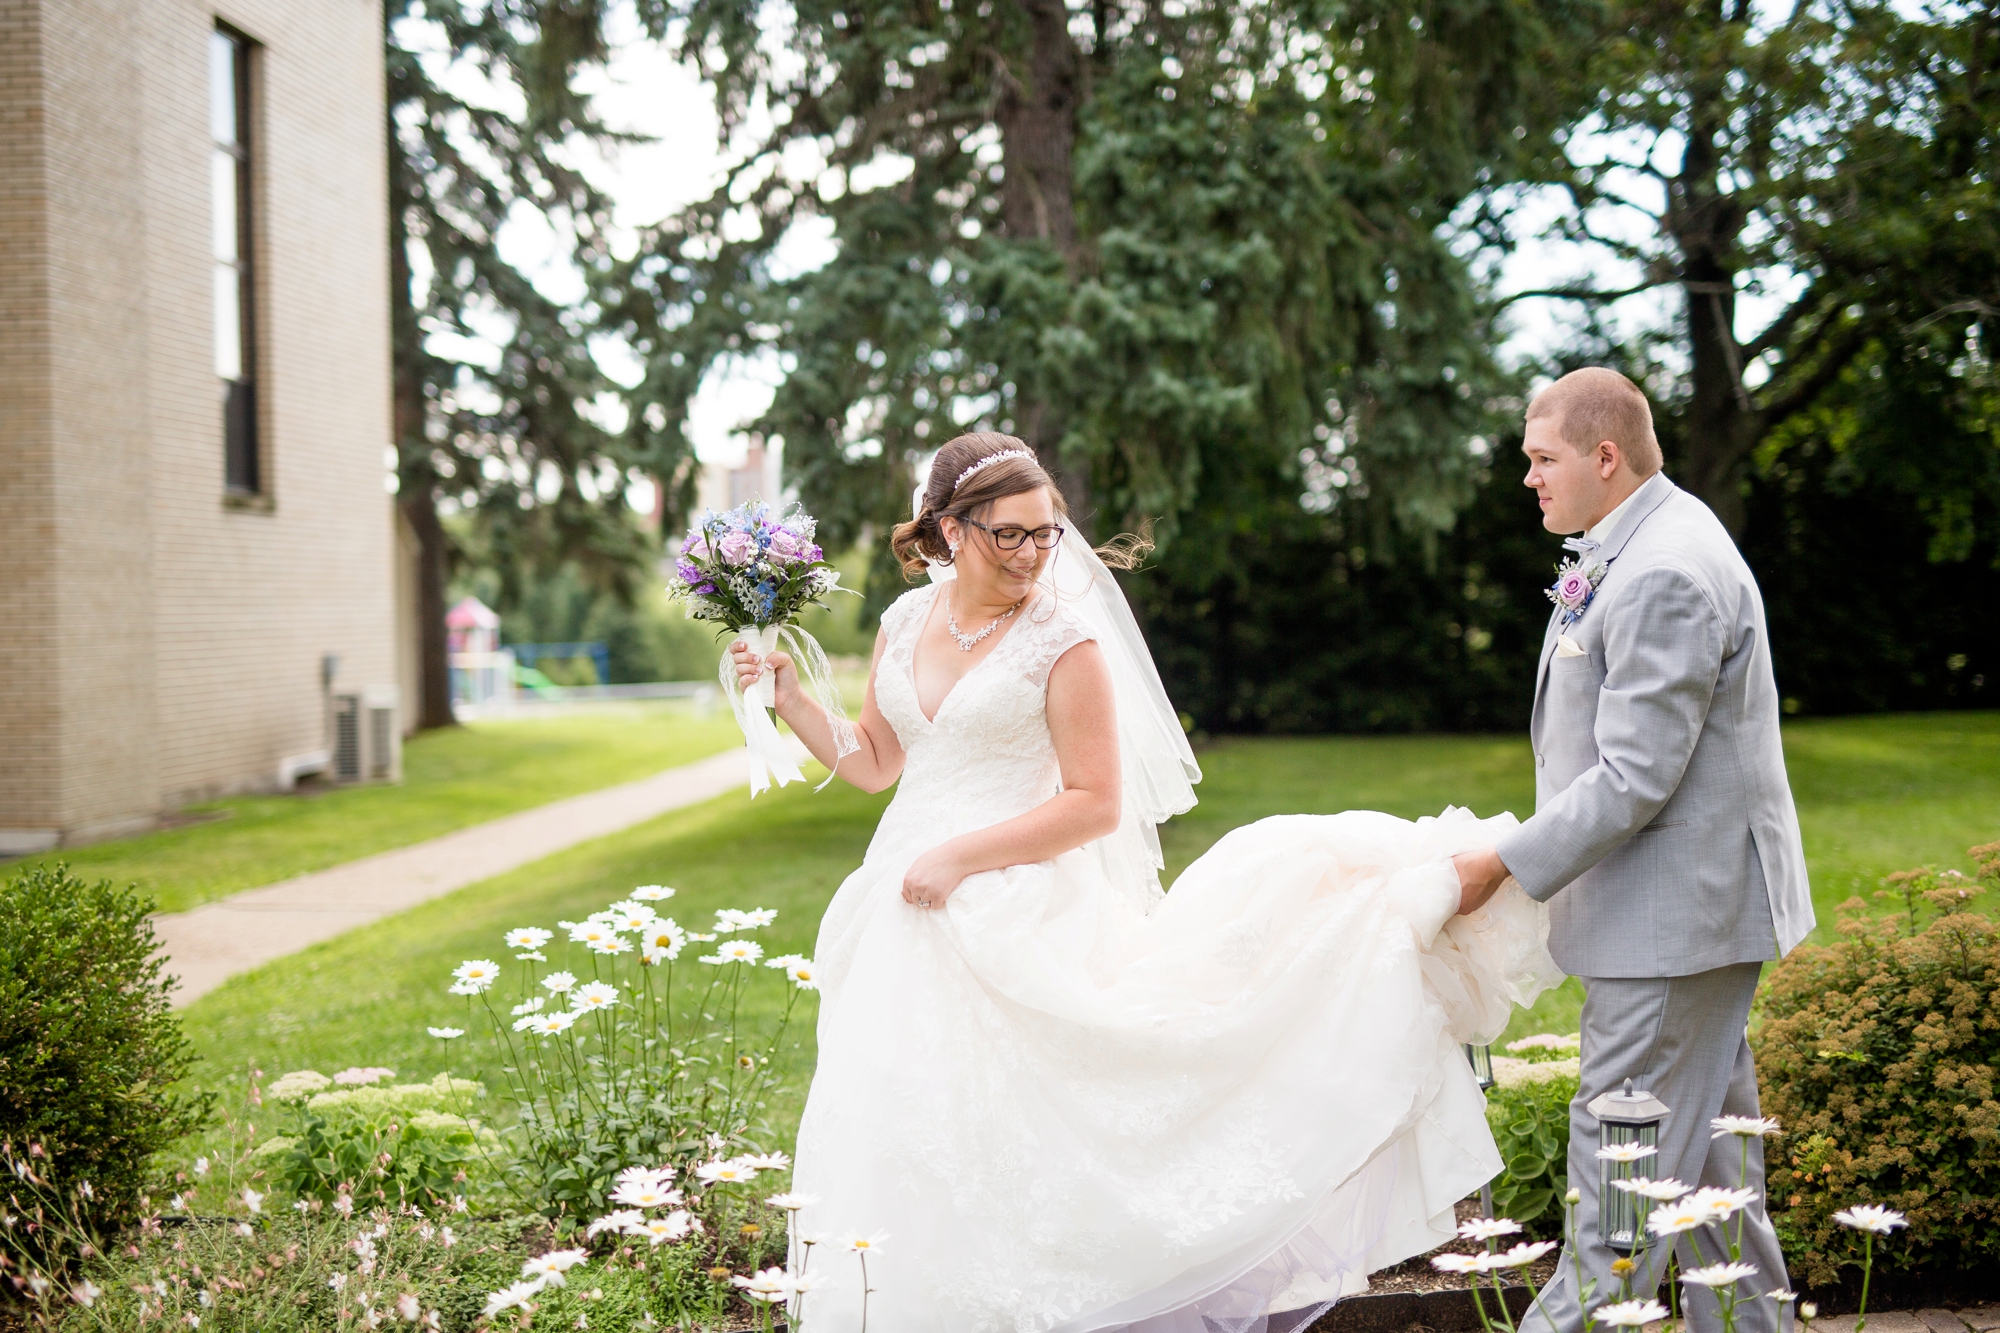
(510, 441)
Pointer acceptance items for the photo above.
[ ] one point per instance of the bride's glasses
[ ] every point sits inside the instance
(1010, 539)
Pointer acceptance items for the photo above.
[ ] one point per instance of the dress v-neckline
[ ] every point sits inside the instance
(916, 691)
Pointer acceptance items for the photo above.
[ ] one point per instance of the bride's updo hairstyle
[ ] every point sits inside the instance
(922, 538)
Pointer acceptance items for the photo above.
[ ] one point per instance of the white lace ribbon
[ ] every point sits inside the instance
(770, 757)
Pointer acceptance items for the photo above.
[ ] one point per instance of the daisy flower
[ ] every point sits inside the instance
(770, 1286)
(660, 1230)
(511, 1298)
(614, 945)
(1662, 1190)
(791, 1203)
(558, 982)
(480, 972)
(532, 956)
(528, 937)
(592, 933)
(1675, 1218)
(1632, 1314)
(804, 975)
(552, 1267)
(652, 893)
(1722, 1204)
(619, 1221)
(770, 1161)
(594, 995)
(1718, 1275)
(642, 1194)
(1626, 1152)
(665, 934)
(1524, 1254)
(1871, 1217)
(550, 1025)
(629, 916)
(700, 939)
(1744, 1126)
(735, 951)
(650, 1175)
(445, 1034)
(1464, 1264)
(732, 1172)
(532, 1005)
(784, 960)
(1487, 1228)
(858, 1244)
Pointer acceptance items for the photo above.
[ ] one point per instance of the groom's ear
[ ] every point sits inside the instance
(1607, 457)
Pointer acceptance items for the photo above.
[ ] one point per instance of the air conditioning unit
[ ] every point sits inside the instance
(365, 735)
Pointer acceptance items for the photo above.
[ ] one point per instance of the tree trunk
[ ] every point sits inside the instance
(417, 494)
(1037, 114)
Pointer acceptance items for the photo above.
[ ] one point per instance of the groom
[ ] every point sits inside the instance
(1664, 838)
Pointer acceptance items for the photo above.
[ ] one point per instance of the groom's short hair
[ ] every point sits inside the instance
(1596, 404)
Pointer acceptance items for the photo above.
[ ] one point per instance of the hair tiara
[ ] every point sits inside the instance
(989, 461)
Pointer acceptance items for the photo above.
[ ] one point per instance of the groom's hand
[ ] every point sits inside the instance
(1480, 875)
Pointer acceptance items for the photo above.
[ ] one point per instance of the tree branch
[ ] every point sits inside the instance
(1583, 293)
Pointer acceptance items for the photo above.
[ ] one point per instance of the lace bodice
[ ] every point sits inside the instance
(987, 756)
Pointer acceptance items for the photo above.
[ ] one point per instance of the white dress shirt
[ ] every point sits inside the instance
(1601, 529)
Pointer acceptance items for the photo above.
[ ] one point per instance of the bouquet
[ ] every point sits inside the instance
(753, 572)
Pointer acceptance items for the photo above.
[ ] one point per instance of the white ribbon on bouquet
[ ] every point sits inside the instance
(770, 758)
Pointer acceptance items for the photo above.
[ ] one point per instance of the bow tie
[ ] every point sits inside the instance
(1583, 546)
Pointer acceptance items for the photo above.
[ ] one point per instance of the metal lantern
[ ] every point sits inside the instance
(1630, 1118)
(1481, 1060)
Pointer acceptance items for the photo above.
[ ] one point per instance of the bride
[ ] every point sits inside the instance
(1060, 1099)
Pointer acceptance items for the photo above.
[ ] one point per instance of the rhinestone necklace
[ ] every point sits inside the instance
(967, 642)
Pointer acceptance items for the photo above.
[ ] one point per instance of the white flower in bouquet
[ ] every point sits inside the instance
(558, 982)
(528, 937)
(1871, 1217)
(617, 1222)
(593, 995)
(1487, 1228)
(1626, 1152)
(1662, 1190)
(1718, 1275)
(1632, 1314)
(1722, 1204)
(1744, 1126)
(652, 893)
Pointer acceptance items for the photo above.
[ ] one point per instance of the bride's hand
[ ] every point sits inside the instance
(748, 671)
(932, 878)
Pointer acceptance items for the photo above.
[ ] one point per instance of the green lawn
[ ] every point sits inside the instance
(1875, 795)
(451, 779)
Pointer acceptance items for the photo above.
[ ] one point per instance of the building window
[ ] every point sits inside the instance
(229, 187)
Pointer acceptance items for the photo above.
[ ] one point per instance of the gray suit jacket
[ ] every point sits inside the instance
(1664, 836)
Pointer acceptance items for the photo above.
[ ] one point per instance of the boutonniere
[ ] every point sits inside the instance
(1576, 580)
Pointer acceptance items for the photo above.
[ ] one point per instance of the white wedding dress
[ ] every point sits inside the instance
(1073, 1103)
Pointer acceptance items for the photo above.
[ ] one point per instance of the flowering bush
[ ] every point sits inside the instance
(1880, 1051)
(750, 567)
(383, 1145)
(616, 1057)
(1528, 1109)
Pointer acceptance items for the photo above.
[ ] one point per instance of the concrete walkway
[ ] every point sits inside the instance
(207, 946)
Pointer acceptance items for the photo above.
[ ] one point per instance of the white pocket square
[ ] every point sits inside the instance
(1566, 647)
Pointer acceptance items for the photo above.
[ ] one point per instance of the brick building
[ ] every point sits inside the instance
(199, 569)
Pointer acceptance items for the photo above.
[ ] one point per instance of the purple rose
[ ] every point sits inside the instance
(1572, 589)
(738, 547)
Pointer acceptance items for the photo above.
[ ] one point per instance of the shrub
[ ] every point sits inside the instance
(1878, 1054)
(89, 1049)
(403, 1143)
(1529, 1112)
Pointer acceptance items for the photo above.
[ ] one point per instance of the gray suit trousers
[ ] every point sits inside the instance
(1682, 1039)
